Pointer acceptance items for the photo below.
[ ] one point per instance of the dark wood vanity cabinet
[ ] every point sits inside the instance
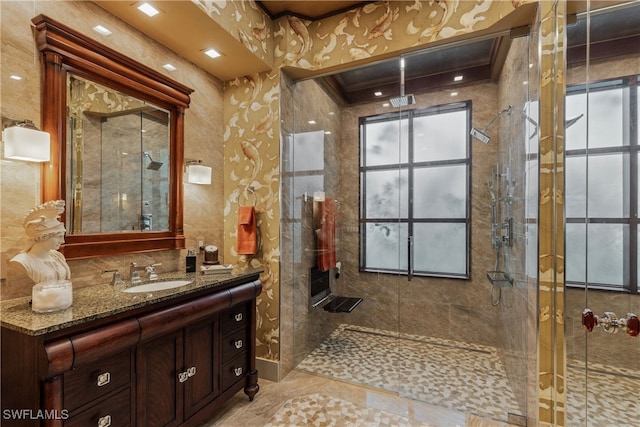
(170, 364)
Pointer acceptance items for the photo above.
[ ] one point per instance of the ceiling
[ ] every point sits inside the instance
(183, 27)
(311, 10)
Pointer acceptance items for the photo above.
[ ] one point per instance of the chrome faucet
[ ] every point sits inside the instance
(117, 278)
(150, 270)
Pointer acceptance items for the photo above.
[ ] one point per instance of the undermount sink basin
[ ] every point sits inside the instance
(158, 286)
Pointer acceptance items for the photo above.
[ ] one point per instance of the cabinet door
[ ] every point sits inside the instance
(159, 391)
(201, 354)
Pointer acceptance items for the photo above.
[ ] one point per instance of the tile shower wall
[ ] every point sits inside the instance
(440, 308)
(310, 162)
(20, 181)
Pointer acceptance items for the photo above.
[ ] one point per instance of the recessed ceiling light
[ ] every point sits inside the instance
(377, 93)
(457, 78)
(147, 9)
(386, 104)
(331, 113)
(311, 122)
(16, 77)
(525, 82)
(454, 93)
(212, 53)
(327, 132)
(102, 30)
(169, 67)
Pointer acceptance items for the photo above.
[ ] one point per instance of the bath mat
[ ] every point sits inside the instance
(322, 410)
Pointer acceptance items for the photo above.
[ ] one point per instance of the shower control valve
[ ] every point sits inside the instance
(610, 323)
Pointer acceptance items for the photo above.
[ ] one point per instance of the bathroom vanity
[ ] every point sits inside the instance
(165, 358)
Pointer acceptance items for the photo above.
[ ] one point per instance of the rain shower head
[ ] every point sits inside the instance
(481, 135)
(402, 100)
(154, 166)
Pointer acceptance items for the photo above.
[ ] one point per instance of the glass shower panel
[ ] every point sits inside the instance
(602, 216)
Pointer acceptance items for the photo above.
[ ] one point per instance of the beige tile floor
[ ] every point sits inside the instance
(303, 399)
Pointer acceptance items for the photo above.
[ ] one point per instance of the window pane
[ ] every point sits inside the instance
(576, 187)
(440, 248)
(531, 126)
(386, 143)
(531, 175)
(386, 246)
(440, 136)
(606, 184)
(386, 194)
(532, 251)
(576, 249)
(605, 119)
(307, 151)
(440, 192)
(607, 195)
(606, 256)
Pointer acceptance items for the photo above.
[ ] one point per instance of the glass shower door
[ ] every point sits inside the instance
(602, 233)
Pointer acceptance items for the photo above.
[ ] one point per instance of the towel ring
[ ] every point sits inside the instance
(246, 192)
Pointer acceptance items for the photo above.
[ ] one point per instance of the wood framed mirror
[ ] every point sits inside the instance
(66, 55)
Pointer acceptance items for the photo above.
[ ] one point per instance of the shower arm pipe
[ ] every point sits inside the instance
(506, 110)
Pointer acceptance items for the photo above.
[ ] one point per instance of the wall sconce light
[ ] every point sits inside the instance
(23, 141)
(197, 173)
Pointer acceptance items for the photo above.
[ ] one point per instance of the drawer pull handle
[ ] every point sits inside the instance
(103, 379)
(104, 421)
(237, 371)
(238, 317)
(183, 376)
(238, 344)
(191, 371)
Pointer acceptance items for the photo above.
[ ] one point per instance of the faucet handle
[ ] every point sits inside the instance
(151, 271)
(116, 275)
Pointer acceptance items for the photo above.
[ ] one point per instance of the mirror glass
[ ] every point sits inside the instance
(117, 161)
(117, 146)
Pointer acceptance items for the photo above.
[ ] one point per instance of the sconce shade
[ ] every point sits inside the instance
(24, 143)
(198, 174)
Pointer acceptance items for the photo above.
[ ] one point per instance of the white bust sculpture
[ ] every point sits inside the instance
(45, 233)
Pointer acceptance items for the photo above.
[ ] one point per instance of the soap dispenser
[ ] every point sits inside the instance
(191, 261)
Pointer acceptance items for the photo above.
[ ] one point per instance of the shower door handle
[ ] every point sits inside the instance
(610, 323)
(410, 258)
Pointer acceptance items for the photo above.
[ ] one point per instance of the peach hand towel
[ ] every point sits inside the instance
(327, 236)
(247, 231)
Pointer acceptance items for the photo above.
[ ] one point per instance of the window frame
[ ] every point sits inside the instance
(410, 166)
(631, 147)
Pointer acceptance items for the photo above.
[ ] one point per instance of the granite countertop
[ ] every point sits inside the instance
(95, 302)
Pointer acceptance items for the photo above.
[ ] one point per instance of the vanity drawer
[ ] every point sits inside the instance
(233, 372)
(86, 383)
(235, 318)
(234, 344)
(115, 411)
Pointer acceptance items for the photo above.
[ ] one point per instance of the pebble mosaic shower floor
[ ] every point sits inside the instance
(465, 377)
